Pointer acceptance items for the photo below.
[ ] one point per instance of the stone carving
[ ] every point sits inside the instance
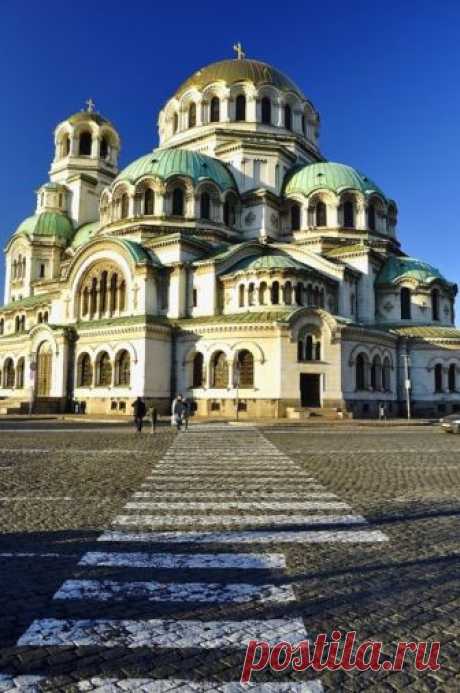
(388, 306)
(250, 218)
(275, 221)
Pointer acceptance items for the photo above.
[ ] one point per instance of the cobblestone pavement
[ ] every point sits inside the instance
(145, 562)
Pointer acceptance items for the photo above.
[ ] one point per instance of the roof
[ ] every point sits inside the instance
(85, 116)
(266, 262)
(164, 163)
(396, 268)
(232, 71)
(47, 224)
(345, 249)
(84, 234)
(28, 302)
(248, 317)
(427, 332)
(330, 176)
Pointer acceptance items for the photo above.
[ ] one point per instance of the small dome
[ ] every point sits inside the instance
(396, 268)
(165, 163)
(330, 176)
(88, 116)
(232, 71)
(84, 234)
(266, 262)
(47, 224)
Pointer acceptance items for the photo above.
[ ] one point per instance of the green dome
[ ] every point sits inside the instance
(232, 71)
(48, 225)
(266, 262)
(84, 234)
(165, 163)
(396, 268)
(335, 177)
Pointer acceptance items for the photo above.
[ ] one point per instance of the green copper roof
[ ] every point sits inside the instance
(232, 71)
(266, 262)
(398, 267)
(165, 163)
(48, 225)
(84, 234)
(427, 332)
(330, 176)
(29, 302)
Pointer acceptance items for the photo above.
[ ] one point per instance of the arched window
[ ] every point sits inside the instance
(2, 326)
(318, 351)
(241, 295)
(452, 377)
(295, 217)
(45, 319)
(215, 110)
(16, 323)
(124, 206)
(122, 296)
(20, 373)
(113, 292)
(287, 117)
(435, 304)
(85, 143)
(288, 293)
(263, 293)
(149, 202)
(66, 148)
(123, 368)
(85, 371)
(438, 378)
(386, 375)
(104, 149)
(266, 111)
(240, 107)
(205, 206)
(309, 348)
(246, 369)
(103, 292)
(219, 370)
(104, 370)
(85, 302)
(8, 374)
(229, 212)
(251, 294)
(320, 214)
(175, 122)
(178, 202)
(192, 115)
(405, 297)
(361, 379)
(300, 350)
(304, 124)
(371, 217)
(376, 373)
(299, 294)
(198, 370)
(275, 293)
(348, 214)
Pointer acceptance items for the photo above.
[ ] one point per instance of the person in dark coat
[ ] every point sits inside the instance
(139, 411)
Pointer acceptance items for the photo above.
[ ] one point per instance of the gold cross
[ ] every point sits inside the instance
(238, 48)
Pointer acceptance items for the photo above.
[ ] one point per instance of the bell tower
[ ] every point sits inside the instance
(85, 161)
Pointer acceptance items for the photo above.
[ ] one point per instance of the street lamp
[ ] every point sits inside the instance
(236, 384)
(407, 383)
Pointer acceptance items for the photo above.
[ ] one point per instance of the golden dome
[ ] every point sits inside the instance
(239, 70)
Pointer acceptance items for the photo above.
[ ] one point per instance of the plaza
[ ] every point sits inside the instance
(140, 562)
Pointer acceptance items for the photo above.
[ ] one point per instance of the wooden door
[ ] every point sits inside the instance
(44, 369)
(310, 390)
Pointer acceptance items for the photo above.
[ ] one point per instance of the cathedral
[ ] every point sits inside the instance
(233, 264)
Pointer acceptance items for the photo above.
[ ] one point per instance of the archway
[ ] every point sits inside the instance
(44, 369)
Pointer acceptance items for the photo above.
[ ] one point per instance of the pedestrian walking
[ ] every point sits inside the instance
(185, 413)
(139, 411)
(153, 417)
(177, 411)
(382, 412)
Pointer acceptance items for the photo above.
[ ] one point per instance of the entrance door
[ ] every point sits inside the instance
(310, 395)
(44, 369)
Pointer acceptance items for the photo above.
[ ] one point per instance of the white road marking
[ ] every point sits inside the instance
(161, 520)
(260, 495)
(160, 633)
(237, 505)
(248, 537)
(246, 561)
(153, 591)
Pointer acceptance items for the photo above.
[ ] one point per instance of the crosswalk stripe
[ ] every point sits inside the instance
(160, 520)
(153, 591)
(237, 505)
(247, 561)
(239, 495)
(172, 633)
(248, 537)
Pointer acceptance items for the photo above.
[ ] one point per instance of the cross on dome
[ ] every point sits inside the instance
(238, 48)
(91, 106)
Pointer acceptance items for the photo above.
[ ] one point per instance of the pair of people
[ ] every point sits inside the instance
(180, 413)
(139, 412)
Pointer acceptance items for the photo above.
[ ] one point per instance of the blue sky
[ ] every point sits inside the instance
(384, 77)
